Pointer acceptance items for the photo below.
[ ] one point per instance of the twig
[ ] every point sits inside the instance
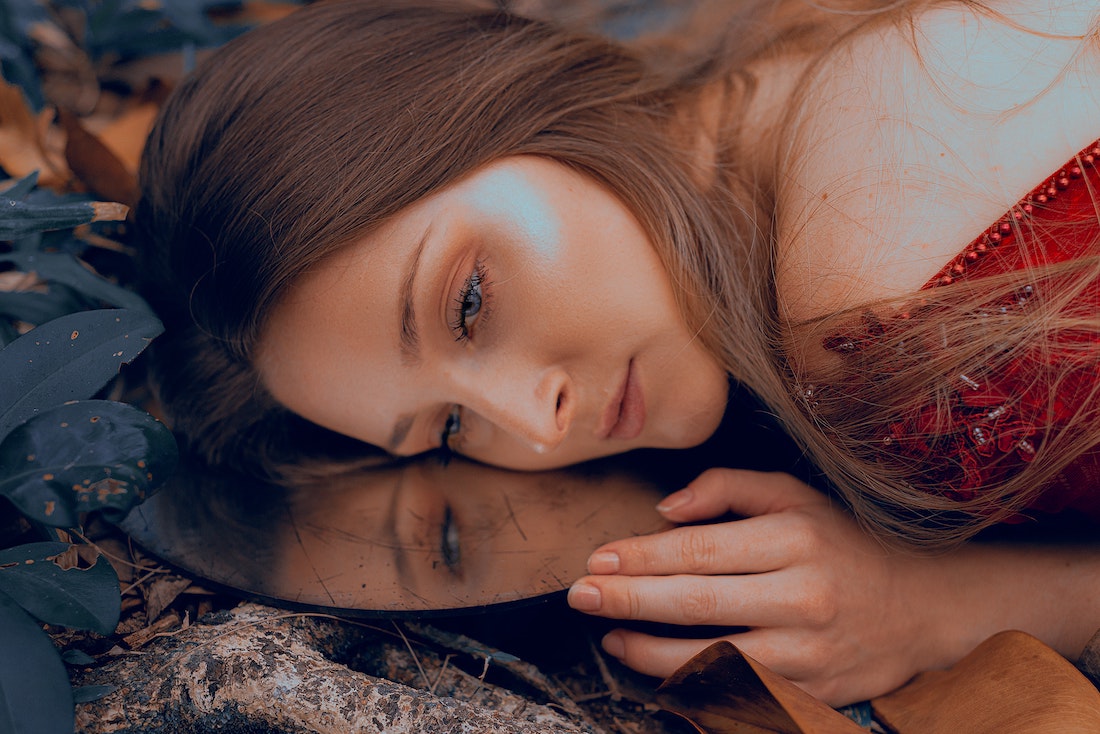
(521, 670)
(442, 670)
(605, 673)
(411, 652)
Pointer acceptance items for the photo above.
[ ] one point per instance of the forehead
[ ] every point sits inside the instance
(338, 325)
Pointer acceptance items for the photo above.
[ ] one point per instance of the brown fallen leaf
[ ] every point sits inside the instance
(168, 623)
(161, 593)
(94, 163)
(723, 691)
(125, 135)
(1010, 684)
(22, 135)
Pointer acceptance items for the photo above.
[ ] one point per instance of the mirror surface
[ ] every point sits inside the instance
(418, 536)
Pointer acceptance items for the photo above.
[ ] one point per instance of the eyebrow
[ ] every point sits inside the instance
(410, 338)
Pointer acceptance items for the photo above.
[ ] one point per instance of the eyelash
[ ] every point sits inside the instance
(475, 287)
(452, 434)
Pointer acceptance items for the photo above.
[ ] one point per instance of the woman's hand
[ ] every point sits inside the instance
(824, 604)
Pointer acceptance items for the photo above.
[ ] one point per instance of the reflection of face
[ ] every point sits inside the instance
(423, 536)
(522, 311)
(413, 536)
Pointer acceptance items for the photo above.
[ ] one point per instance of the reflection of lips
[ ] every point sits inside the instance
(630, 413)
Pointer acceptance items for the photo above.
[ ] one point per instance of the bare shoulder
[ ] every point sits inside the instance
(913, 135)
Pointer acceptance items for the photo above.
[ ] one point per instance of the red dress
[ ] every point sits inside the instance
(997, 420)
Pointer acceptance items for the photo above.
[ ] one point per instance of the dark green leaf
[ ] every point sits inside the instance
(83, 456)
(79, 598)
(34, 308)
(67, 270)
(18, 218)
(69, 358)
(87, 694)
(22, 187)
(77, 657)
(35, 697)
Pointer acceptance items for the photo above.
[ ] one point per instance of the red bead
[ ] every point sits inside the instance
(958, 268)
(946, 280)
(1042, 198)
(995, 239)
(1089, 159)
(1005, 228)
(1028, 208)
(1052, 192)
(1075, 172)
(1063, 183)
(971, 256)
(1018, 216)
(980, 248)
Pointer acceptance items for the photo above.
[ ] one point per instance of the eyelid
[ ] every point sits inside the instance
(476, 278)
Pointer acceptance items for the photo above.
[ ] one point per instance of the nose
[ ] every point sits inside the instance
(535, 406)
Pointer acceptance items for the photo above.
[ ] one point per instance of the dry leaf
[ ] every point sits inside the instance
(137, 639)
(1010, 684)
(95, 165)
(723, 691)
(125, 135)
(22, 150)
(161, 593)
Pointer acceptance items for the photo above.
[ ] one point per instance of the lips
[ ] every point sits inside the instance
(624, 417)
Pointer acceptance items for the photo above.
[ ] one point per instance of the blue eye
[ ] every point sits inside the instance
(472, 300)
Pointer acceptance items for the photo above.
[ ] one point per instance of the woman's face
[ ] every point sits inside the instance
(519, 314)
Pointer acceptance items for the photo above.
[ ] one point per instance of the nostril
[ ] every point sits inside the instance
(561, 407)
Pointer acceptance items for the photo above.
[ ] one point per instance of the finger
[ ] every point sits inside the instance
(656, 656)
(740, 491)
(755, 600)
(754, 545)
(662, 656)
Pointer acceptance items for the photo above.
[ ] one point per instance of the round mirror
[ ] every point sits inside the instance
(412, 537)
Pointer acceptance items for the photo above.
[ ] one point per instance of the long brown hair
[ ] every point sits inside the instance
(299, 137)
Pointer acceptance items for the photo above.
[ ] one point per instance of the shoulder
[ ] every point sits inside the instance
(914, 134)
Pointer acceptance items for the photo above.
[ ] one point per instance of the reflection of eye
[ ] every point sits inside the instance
(449, 540)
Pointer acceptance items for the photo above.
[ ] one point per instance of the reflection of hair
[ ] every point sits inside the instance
(298, 138)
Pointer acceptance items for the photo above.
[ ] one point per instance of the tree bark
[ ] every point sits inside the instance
(256, 669)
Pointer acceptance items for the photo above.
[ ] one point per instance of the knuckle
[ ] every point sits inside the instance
(634, 604)
(817, 604)
(699, 604)
(699, 550)
(805, 536)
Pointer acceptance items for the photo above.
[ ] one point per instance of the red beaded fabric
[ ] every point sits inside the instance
(997, 420)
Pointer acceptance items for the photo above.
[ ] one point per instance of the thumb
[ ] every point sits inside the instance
(740, 491)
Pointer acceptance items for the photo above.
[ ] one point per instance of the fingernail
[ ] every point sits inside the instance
(603, 562)
(613, 644)
(674, 500)
(584, 598)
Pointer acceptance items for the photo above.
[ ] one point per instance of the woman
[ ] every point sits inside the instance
(428, 227)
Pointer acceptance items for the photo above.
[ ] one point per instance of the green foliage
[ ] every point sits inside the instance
(81, 598)
(63, 454)
(83, 456)
(69, 358)
(34, 687)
